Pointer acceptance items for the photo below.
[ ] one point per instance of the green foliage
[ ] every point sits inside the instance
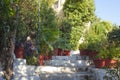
(96, 35)
(48, 27)
(109, 51)
(78, 12)
(8, 22)
(114, 36)
(101, 28)
(27, 18)
(64, 35)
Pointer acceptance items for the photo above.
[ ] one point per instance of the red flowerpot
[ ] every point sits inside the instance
(19, 52)
(110, 63)
(56, 51)
(60, 52)
(41, 58)
(66, 53)
(47, 57)
(50, 57)
(84, 52)
(99, 63)
(92, 54)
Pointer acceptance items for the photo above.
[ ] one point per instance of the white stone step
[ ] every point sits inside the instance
(21, 77)
(60, 57)
(69, 63)
(53, 69)
(68, 76)
(20, 69)
(19, 61)
(74, 57)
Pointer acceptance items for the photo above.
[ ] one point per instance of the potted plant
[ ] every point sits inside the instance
(90, 46)
(64, 36)
(108, 56)
(63, 48)
(83, 47)
(95, 36)
(19, 50)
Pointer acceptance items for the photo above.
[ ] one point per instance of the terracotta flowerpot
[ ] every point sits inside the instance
(66, 53)
(99, 63)
(47, 57)
(60, 52)
(56, 51)
(92, 54)
(19, 52)
(41, 58)
(84, 52)
(110, 63)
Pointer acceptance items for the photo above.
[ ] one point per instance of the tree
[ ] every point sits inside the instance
(78, 13)
(114, 37)
(48, 27)
(18, 18)
(8, 18)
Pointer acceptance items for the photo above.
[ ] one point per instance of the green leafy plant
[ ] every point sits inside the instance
(109, 51)
(114, 36)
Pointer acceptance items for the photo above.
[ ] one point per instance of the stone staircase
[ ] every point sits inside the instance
(73, 67)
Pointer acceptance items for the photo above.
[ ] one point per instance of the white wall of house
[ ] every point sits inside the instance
(58, 6)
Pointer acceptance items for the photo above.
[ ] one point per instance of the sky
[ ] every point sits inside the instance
(108, 10)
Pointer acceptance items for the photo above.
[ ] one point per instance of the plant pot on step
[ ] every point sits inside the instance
(19, 52)
(41, 58)
(99, 63)
(84, 52)
(66, 53)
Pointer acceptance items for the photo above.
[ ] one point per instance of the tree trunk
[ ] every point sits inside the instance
(9, 57)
